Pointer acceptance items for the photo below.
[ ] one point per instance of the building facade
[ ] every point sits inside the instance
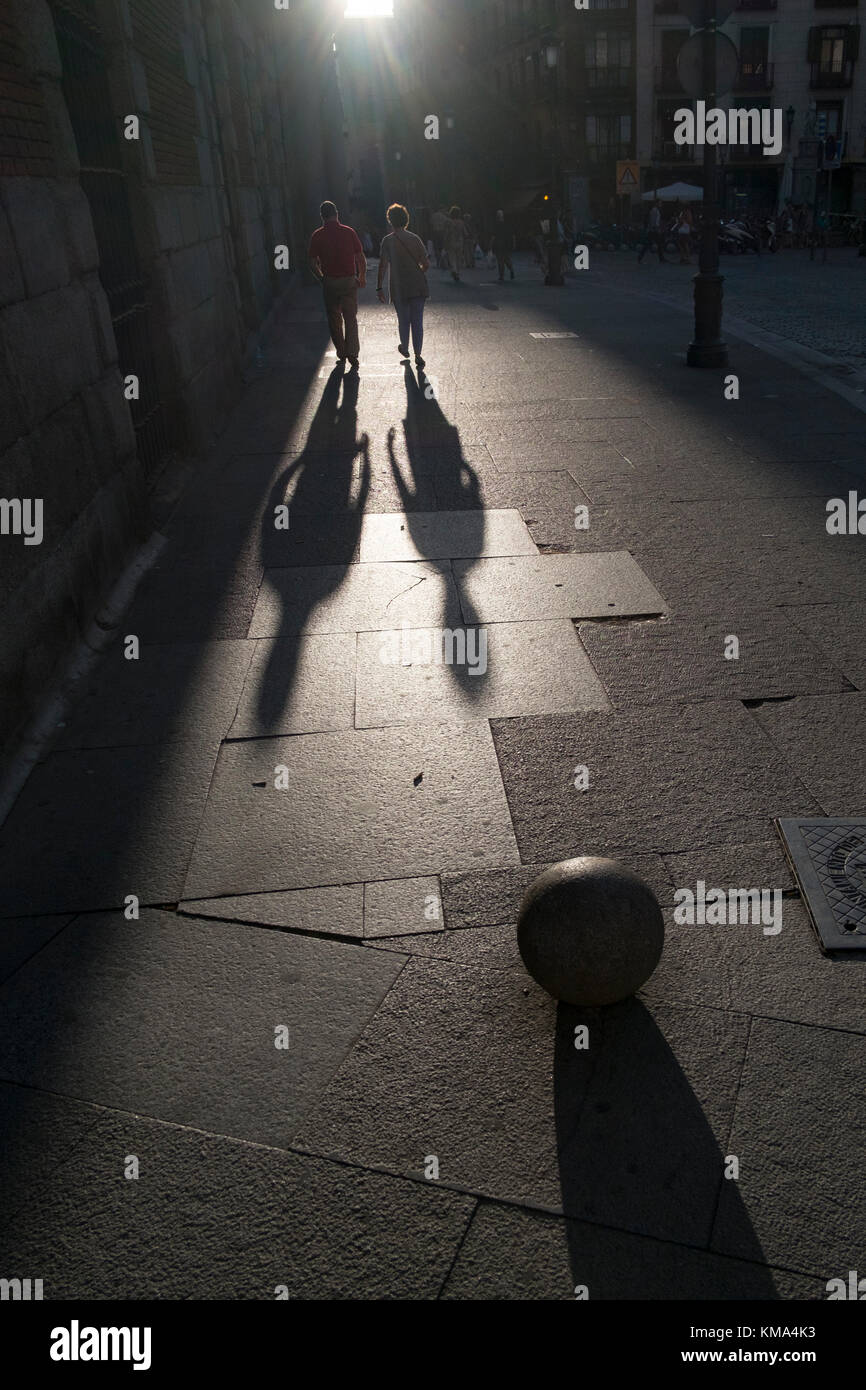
(801, 57)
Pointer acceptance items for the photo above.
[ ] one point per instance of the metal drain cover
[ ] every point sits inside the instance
(828, 857)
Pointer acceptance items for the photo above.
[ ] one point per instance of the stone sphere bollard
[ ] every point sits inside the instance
(590, 931)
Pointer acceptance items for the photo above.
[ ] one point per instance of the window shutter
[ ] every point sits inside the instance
(852, 48)
(814, 53)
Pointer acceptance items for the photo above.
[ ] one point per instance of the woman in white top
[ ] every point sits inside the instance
(404, 256)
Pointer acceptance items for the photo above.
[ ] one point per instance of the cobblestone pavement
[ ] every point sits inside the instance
(815, 305)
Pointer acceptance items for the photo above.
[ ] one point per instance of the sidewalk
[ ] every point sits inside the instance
(259, 899)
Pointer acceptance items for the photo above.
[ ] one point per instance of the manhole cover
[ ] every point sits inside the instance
(829, 860)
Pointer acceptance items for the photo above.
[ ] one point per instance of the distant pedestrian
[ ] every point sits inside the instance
(501, 244)
(469, 242)
(404, 257)
(684, 236)
(337, 259)
(654, 235)
(455, 239)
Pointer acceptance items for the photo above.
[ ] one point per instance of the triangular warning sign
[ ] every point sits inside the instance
(627, 177)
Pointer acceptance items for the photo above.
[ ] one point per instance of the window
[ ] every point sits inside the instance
(754, 50)
(832, 111)
(609, 49)
(608, 136)
(832, 52)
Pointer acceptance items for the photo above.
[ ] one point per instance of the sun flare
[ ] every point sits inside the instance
(369, 9)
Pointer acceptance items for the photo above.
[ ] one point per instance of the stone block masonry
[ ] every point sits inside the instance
(151, 256)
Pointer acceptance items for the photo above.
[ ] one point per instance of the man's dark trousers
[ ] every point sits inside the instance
(341, 306)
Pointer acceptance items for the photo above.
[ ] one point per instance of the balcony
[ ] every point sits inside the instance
(759, 4)
(666, 80)
(841, 75)
(836, 4)
(755, 78)
(604, 154)
(611, 79)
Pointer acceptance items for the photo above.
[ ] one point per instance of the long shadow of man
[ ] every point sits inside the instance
(433, 444)
(325, 529)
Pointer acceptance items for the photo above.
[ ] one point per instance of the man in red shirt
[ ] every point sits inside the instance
(337, 259)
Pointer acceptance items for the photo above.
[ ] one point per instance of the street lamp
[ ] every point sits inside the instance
(554, 248)
(707, 348)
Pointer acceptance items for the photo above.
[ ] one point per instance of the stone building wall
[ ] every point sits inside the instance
(231, 143)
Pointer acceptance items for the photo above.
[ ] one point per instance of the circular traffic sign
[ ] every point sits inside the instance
(690, 64)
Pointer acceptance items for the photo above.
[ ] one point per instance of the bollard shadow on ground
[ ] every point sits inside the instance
(636, 1150)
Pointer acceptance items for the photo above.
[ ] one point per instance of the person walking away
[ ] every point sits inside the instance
(469, 242)
(684, 236)
(455, 236)
(501, 244)
(654, 236)
(337, 259)
(404, 256)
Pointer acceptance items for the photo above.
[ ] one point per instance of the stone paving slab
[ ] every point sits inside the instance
(209, 1218)
(832, 565)
(297, 685)
(172, 692)
(338, 910)
(698, 581)
(524, 588)
(493, 948)
(685, 661)
(355, 598)
(457, 1063)
(738, 967)
(400, 802)
(799, 1131)
(502, 669)
(838, 629)
(492, 896)
(204, 998)
(760, 862)
(662, 779)
(510, 1254)
(39, 1132)
(22, 937)
(93, 826)
(321, 538)
(443, 535)
(626, 1134)
(192, 602)
(825, 740)
(402, 907)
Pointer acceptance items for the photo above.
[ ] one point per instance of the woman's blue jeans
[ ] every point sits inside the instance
(410, 313)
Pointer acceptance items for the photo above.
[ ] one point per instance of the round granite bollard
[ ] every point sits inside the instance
(590, 931)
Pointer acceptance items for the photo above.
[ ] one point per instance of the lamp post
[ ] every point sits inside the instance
(707, 348)
(554, 247)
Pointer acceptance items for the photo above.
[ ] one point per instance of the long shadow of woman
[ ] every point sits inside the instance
(318, 487)
(426, 429)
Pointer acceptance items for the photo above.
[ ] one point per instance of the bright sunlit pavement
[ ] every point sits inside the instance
(369, 9)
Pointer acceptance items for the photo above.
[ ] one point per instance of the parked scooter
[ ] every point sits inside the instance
(736, 238)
